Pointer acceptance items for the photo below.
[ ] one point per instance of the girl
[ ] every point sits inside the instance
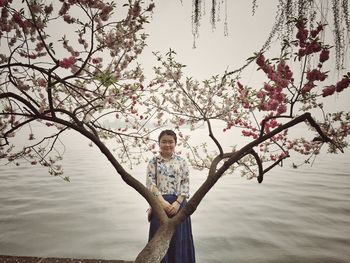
(168, 179)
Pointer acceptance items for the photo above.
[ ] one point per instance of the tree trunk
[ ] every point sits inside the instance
(156, 249)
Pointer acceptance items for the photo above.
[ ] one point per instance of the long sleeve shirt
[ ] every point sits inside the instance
(172, 175)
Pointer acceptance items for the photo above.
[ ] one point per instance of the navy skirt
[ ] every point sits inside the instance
(181, 249)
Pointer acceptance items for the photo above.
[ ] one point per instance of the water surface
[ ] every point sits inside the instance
(295, 215)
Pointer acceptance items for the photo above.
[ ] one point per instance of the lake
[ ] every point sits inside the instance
(295, 215)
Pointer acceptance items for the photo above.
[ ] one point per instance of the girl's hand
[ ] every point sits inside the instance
(166, 206)
(174, 208)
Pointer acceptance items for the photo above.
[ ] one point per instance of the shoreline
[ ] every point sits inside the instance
(29, 259)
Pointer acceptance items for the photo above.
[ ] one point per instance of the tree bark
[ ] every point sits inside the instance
(158, 246)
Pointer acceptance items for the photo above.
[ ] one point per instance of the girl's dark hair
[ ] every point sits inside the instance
(167, 132)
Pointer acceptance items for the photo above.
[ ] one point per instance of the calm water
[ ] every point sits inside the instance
(298, 215)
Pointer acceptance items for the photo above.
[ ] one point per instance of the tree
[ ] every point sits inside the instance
(88, 80)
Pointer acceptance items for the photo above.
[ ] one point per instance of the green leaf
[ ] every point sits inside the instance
(106, 79)
(67, 179)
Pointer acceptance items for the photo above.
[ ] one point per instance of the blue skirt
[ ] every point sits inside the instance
(181, 249)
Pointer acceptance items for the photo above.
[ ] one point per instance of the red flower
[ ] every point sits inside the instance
(316, 74)
(302, 36)
(67, 62)
(281, 109)
(260, 60)
(343, 84)
(261, 94)
(324, 56)
(327, 91)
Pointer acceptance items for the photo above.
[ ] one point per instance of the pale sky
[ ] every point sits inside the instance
(171, 27)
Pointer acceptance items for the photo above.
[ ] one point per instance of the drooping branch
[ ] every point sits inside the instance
(288, 9)
(260, 166)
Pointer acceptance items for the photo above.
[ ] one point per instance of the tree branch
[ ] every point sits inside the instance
(211, 180)
(259, 163)
(211, 135)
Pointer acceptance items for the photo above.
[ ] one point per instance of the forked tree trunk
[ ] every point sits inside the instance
(156, 249)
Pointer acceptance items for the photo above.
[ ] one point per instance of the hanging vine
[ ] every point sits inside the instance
(286, 11)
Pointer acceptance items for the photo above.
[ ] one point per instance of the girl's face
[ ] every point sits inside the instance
(167, 145)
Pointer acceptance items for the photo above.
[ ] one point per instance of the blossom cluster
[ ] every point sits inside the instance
(338, 87)
(272, 96)
(101, 80)
(308, 41)
(67, 62)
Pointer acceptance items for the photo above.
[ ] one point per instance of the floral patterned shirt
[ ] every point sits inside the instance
(172, 175)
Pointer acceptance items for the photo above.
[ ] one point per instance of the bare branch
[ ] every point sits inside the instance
(259, 163)
(211, 135)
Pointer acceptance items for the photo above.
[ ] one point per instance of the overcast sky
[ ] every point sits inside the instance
(171, 27)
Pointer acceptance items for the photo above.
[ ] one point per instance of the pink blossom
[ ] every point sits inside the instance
(327, 91)
(324, 56)
(280, 97)
(316, 31)
(264, 106)
(106, 10)
(273, 123)
(136, 10)
(246, 133)
(316, 74)
(182, 121)
(68, 19)
(261, 94)
(18, 19)
(342, 84)
(308, 87)
(267, 87)
(260, 60)
(290, 145)
(35, 8)
(300, 24)
(67, 62)
(302, 35)
(313, 47)
(249, 134)
(284, 71)
(240, 86)
(283, 155)
(272, 104)
(246, 104)
(281, 109)
(4, 13)
(96, 60)
(65, 7)
(42, 82)
(48, 9)
(301, 52)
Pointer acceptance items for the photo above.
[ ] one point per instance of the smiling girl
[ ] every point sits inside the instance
(168, 179)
